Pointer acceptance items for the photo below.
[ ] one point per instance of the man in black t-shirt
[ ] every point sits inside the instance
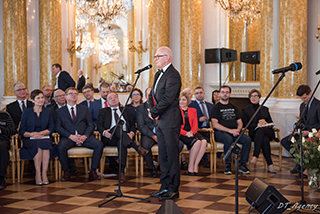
(227, 124)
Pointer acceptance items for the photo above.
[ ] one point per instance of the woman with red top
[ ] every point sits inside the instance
(189, 136)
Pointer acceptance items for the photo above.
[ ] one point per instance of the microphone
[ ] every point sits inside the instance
(318, 72)
(293, 67)
(143, 69)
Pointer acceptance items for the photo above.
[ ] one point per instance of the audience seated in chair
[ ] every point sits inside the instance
(36, 127)
(75, 126)
(136, 100)
(107, 120)
(189, 136)
(47, 93)
(7, 129)
(88, 93)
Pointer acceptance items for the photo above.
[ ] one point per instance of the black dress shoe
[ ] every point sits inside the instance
(169, 195)
(3, 184)
(153, 173)
(304, 176)
(189, 173)
(296, 169)
(158, 194)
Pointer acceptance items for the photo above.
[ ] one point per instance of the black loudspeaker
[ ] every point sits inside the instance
(252, 57)
(265, 198)
(217, 55)
(169, 207)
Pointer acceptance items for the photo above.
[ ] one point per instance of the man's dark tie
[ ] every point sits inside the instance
(23, 106)
(205, 113)
(73, 115)
(116, 116)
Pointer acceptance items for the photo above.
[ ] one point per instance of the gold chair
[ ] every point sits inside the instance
(113, 152)
(75, 152)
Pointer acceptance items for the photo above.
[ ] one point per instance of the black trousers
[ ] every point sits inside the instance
(168, 141)
(4, 157)
(147, 143)
(91, 142)
(262, 139)
(127, 142)
(286, 142)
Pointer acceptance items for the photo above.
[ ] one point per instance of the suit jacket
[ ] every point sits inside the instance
(85, 103)
(248, 112)
(65, 81)
(312, 118)
(195, 105)
(65, 125)
(7, 126)
(94, 110)
(192, 114)
(105, 120)
(52, 103)
(167, 99)
(28, 123)
(81, 82)
(15, 111)
(144, 122)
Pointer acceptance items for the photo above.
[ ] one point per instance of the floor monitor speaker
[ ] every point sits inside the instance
(169, 207)
(265, 198)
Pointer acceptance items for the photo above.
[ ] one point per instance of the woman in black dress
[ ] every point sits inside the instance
(260, 135)
(35, 129)
(136, 100)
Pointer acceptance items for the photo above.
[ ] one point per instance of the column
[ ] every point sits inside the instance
(87, 69)
(14, 44)
(292, 44)
(49, 39)
(191, 43)
(131, 67)
(159, 22)
(267, 79)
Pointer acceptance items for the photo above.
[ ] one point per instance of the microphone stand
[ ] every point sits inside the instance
(300, 126)
(236, 150)
(120, 123)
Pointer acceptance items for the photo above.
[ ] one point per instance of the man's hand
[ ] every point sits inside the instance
(107, 134)
(234, 132)
(305, 133)
(83, 138)
(154, 137)
(202, 119)
(130, 135)
(74, 138)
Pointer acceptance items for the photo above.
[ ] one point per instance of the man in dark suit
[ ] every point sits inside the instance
(60, 100)
(81, 81)
(16, 108)
(100, 103)
(164, 107)
(47, 94)
(7, 129)
(88, 93)
(310, 119)
(64, 80)
(203, 108)
(75, 126)
(107, 120)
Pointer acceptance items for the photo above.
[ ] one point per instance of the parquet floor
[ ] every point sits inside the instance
(206, 193)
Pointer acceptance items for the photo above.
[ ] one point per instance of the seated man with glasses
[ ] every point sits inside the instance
(47, 94)
(227, 124)
(88, 93)
(16, 108)
(75, 126)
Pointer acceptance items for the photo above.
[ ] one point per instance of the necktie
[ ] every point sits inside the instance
(205, 113)
(23, 106)
(90, 103)
(116, 116)
(73, 115)
(105, 104)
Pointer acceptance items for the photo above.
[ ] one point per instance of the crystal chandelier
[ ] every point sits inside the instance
(249, 10)
(84, 41)
(100, 12)
(109, 48)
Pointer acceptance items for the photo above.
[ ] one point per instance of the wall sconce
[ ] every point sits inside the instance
(97, 67)
(72, 47)
(138, 49)
(318, 30)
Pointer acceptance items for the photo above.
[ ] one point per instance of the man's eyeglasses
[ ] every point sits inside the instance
(158, 56)
(48, 90)
(136, 95)
(21, 89)
(224, 92)
(62, 95)
(254, 96)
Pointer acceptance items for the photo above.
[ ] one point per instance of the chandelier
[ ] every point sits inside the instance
(109, 48)
(249, 10)
(99, 12)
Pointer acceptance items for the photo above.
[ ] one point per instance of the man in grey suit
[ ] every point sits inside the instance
(75, 126)
(164, 107)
